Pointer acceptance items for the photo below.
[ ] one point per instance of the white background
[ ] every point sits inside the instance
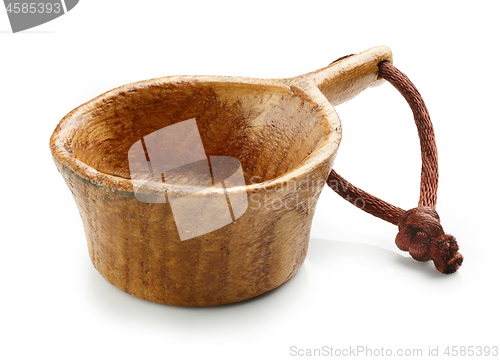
(355, 288)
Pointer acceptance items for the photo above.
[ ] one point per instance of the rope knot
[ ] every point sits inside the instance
(421, 233)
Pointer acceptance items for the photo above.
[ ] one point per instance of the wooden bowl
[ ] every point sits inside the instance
(283, 132)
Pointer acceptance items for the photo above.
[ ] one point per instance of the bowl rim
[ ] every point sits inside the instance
(63, 156)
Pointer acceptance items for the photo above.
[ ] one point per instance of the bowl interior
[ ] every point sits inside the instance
(268, 128)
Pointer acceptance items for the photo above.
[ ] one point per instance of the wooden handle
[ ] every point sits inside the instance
(344, 79)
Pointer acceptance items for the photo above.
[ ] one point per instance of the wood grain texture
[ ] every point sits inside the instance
(284, 132)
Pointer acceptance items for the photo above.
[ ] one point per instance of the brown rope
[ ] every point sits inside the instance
(420, 230)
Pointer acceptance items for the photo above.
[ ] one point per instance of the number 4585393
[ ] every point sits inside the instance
(33, 8)
(471, 351)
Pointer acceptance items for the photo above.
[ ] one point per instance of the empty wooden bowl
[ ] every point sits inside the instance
(283, 132)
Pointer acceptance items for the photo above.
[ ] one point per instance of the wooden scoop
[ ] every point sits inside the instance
(283, 132)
